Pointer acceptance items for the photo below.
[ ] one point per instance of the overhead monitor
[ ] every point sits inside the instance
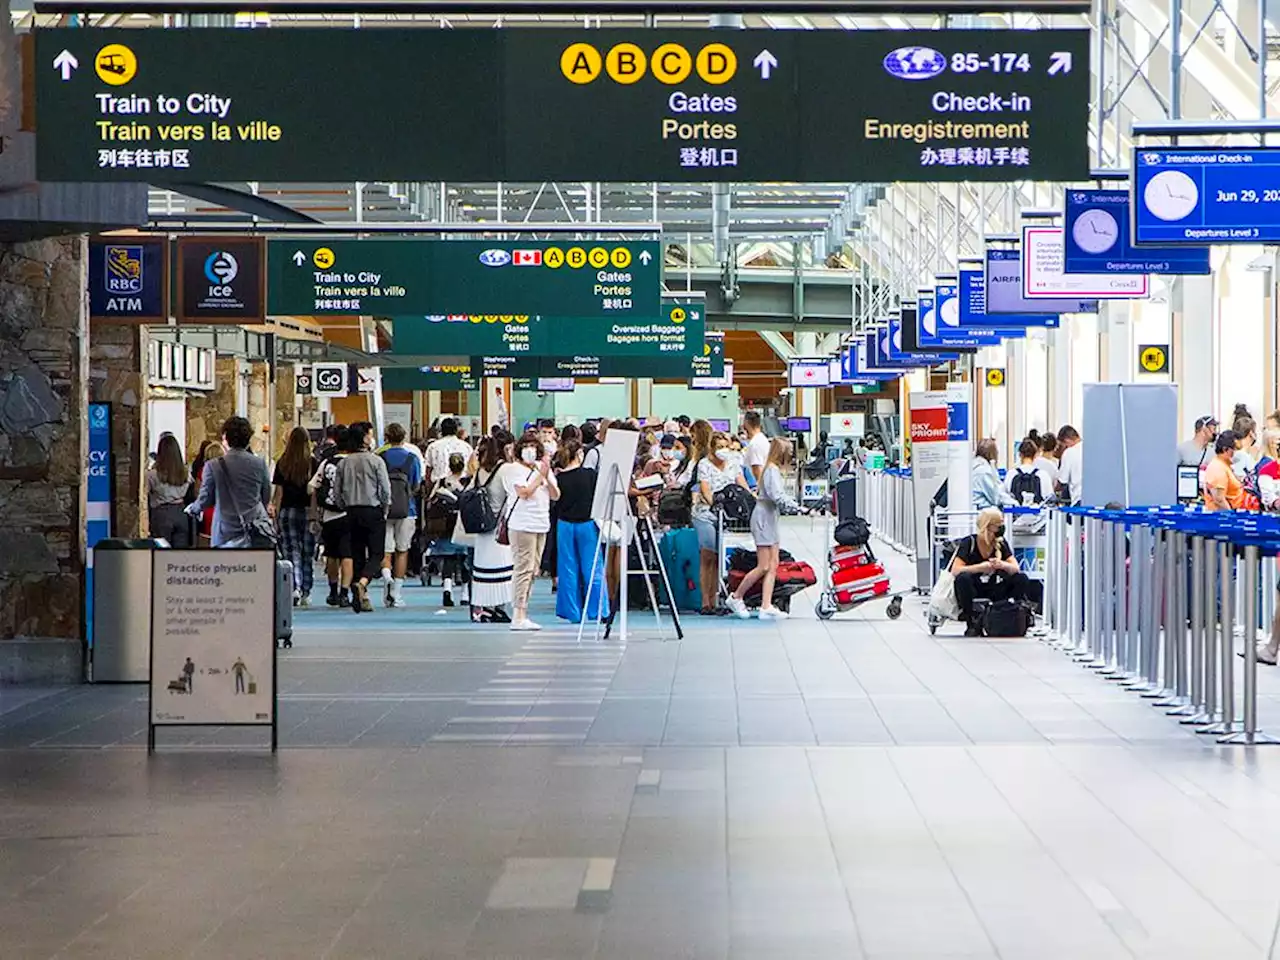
(556, 384)
(720, 426)
(809, 373)
(797, 424)
(714, 383)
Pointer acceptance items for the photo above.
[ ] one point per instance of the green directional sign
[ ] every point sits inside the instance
(430, 376)
(678, 330)
(602, 280)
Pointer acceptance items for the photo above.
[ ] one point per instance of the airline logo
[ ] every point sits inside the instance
(526, 258)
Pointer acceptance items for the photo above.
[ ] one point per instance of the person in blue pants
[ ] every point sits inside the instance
(577, 537)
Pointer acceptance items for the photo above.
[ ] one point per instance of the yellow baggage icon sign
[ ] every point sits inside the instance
(1153, 358)
(995, 377)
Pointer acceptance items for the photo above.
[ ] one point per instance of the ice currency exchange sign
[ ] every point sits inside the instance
(598, 279)
(520, 105)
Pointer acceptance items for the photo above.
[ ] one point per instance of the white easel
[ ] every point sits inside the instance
(617, 515)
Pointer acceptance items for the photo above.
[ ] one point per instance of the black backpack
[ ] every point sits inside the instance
(852, 532)
(735, 503)
(398, 508)
(1026, 483)
(475, 509)
(675, 506)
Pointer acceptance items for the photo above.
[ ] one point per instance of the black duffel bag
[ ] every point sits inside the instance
(1006, 618)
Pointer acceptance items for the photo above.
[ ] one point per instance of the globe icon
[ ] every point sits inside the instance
(915, 63)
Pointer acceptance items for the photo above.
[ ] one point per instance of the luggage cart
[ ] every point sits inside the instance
(867, 580)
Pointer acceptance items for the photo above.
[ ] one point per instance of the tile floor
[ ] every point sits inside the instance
(853, 788)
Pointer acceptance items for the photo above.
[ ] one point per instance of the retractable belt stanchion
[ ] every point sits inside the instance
(1152, 597)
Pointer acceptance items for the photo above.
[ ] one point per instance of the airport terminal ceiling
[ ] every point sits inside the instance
(872, 227)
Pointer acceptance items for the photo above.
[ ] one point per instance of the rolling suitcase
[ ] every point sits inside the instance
(284, 603)
(681, 557)
(844, 498)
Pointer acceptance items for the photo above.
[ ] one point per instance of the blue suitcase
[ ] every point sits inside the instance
(680, 555)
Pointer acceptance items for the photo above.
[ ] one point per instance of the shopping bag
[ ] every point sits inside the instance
(942, 602)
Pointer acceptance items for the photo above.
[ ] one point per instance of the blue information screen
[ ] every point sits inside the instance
(1204, 196)
(1096, 239)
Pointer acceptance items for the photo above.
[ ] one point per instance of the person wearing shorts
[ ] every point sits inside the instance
(335, 531)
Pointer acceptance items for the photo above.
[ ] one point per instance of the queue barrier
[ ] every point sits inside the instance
(1152, 598)
(886, 501)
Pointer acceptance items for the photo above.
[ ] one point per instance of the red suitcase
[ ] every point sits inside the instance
(850, 575)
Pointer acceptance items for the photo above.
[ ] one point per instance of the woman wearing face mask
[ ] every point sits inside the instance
(714, 472)
(681, 463)
(984, 567)
(550, 438)
(531, 486)
(1246, 431)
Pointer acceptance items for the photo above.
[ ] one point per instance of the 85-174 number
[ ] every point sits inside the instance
(995, 62)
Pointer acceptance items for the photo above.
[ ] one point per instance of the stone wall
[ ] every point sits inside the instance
(286, 408)
(117, 375)
(258, 410)
(43, 452)
(206, 412)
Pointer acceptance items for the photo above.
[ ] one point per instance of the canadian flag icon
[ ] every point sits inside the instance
(526, 258)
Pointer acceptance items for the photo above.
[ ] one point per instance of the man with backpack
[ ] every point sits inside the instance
(404, 471)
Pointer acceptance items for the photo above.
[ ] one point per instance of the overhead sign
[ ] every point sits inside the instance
(1154, 358)
(522, 105)
(1098, 239)
(971, 305)
(129, 279)
(1044, 276)
(995, 376)
(678, 329)
(213, 646)
(303, 381)
(366, 379)
(1003, 289)
(329, 380)
(1191, 195)
(220, 280)
(617, 279)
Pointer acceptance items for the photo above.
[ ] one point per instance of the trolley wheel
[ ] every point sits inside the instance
(286, 644)
(894, 610)
(825, 608)
(934, 624)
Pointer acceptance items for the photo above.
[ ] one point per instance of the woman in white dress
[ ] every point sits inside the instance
(491, 570)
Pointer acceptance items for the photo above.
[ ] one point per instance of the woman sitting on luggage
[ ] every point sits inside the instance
(984, 567)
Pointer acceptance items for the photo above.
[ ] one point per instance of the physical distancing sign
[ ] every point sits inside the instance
(1154, 358)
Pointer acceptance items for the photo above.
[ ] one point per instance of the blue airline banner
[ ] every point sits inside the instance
(946, 331)
(957, 421)
(914, 359)
(97, 498)
(1199, 196)
(972, 306)
(128, 279)
(1096, 239)
(855, 369)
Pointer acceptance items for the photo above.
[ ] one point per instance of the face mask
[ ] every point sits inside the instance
(677, 455)
(668, 454)
(720, 454)
(551, 447)
(529, 454)
(998, 530)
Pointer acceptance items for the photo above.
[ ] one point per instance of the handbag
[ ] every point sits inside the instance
(942, 601)
(503, 535)
(257, 534)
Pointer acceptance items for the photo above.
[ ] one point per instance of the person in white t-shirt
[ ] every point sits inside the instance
(439, 451)
(1071, 463)
(757, 449)
(531, 486)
